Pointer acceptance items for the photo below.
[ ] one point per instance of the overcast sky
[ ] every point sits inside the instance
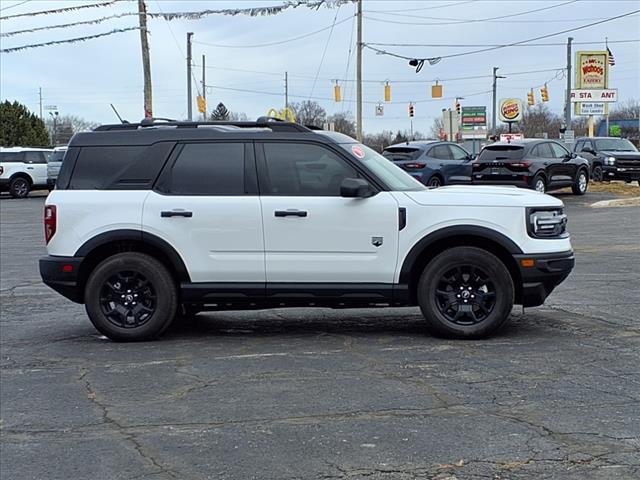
(84, 78)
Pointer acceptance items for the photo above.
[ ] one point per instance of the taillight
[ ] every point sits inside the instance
(414, 165)
(50, 222)
(521, 164)
(1, 170)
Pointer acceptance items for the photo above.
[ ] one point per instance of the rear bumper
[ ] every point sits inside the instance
(4, 183)
(548, 271)
(515, 180)
(61, 274)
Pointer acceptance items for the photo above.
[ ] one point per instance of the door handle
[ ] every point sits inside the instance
(290, 213)
(176, 213)
(442, 164)
(29, 168)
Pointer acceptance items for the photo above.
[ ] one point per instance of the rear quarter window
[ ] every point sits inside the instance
(501, 152)
(11, 157)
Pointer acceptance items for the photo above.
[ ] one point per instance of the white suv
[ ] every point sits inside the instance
(156, 220)
(23, 169)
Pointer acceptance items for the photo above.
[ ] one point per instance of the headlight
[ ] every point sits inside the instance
(610, 160)
(547, 223)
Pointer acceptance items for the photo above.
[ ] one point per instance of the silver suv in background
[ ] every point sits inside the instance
(53, 167)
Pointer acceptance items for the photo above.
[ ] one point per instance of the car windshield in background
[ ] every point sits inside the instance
(394, 177)
(57, 156)
(402, 153)
(502, 152)
(615, 145)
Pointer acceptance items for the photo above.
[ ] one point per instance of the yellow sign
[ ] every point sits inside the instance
(436, 91)
(285, 114)
(387, 92)
(592, 73)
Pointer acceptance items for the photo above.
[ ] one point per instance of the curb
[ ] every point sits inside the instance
(621, 202)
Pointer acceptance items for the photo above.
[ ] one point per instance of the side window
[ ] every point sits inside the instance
(535, 151)
(12, 157)
(303, 170)
(579, 146)
(558, 151)
(208, 169)
(440, 152)
(544, 151)
(34, 157)
(458, 153)
(587, 144)
(98, 167)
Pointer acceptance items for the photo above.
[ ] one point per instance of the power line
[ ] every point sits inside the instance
(280, 42)
(61, 10)
(462, 22)
(14, 5)
(70, 40)
(433, 60)
(324, 52)
(66, 25)
(462, 45)
(424, 8)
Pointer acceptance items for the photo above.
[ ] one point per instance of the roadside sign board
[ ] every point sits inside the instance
(379, 110)
(474, 116)
(592, 73)
(592, 108)
(510, 110)
(604, 95)
(569, 136)
(509, 137)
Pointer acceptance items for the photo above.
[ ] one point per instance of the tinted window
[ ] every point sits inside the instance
(578, 146)
(303, 169)
(57, 156)
(458, 153)
(501, 152)
(558, 150)
(441, 152)
(11, 157)
(402, 153)
(615, 144)
(35, 157)
(98, 167)
(544, 151)
(208, 169)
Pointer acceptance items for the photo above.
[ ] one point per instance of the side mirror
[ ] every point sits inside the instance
(574, 155)
(472, 156)
(588, 150)
(355, 188)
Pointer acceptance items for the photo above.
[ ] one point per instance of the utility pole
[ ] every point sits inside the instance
(359, 75)
(286, 92)
(189, 103)
(40, 93)
(567, 100)
(204, 90)
(495, 100)
(146, 65)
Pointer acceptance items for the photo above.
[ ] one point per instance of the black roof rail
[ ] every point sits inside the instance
(275, 124)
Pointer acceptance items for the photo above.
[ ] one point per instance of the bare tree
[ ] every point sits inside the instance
(343, 122)
(627, 110)
(309, 112)
(66, 126)
(237, 117)
(379, 141)
(437, 127)
(538, 120)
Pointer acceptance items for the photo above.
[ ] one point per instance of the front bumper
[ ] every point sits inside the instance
(62, 274)
(547, 272)
(614, 172)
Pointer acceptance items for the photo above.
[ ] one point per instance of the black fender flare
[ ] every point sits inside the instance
(141, 237)
(448, 232)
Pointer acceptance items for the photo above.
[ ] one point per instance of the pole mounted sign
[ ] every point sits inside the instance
(592, 73)
(510, 109)
(473, 121)
(604, 95)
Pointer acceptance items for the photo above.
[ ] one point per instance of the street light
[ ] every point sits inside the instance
(54, 116)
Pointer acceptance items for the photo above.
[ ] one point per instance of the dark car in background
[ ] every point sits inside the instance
(541, 165)
(432, 162)
(610, 158)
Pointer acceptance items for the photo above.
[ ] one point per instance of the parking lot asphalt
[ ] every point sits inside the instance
(327, 394)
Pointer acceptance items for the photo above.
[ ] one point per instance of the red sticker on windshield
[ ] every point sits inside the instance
(357, 151)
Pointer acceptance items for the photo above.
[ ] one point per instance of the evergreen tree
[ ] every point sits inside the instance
(220, 113)
(20, 127)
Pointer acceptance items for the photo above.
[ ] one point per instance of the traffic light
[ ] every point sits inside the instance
(458, 107)
(202, 104)
(411, 112)
(544, 93)
(387, 92)
(531, 99)
(337, 94)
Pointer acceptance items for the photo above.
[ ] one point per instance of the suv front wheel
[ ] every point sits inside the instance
(131, 297)
(465, 292)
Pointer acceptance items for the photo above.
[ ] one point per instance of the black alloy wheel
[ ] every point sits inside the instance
(19, 187)
(435, 182)
(128, 299)
(596, 174)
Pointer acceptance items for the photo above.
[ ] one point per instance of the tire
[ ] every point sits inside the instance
(128, 279)
(596, 174)
(19, 187)
(477, 275)
(539, 184)
(581, 183)
(435, 182)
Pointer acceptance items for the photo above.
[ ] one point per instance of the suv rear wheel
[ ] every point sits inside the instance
(581, 183)
(130, 297)
(539, 184)
(465, 292)
(19, 187)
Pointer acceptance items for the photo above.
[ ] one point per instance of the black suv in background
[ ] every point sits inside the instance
(432, 162)
(542, 165)
(610, 158)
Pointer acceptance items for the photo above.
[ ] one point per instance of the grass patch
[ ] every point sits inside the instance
(617, 188)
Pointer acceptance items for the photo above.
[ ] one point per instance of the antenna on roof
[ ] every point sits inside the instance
(117, 114)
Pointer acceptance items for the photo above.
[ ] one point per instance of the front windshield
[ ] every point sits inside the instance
(393, 176)
(615, 145)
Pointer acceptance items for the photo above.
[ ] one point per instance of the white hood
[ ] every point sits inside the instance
(483, 196)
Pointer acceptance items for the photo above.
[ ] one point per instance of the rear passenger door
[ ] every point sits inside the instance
(205, 205)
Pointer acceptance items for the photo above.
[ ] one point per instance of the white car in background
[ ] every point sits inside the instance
(23, 169)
